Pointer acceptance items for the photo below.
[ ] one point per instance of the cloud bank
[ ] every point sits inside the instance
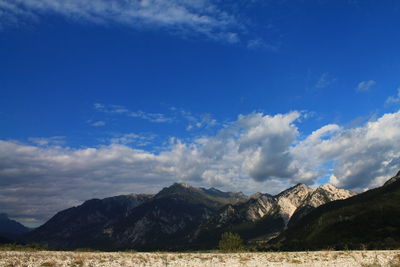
(256, 152)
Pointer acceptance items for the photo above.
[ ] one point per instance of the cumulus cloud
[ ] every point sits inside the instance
(365, 85)
(184, 17)
(256, 152)
(363, 157)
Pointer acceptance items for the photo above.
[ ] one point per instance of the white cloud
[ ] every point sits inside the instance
(393, 99)
(152, 117)
(44, 141)
(259, 43)
(181, 16)
(121, 110)
(255, 43)
(194, 121)
(10, 14)
(324, 81)
(365, 85)
(99, 106)
(363, 157)
(256, 152)
(97, 123)
(132, 138)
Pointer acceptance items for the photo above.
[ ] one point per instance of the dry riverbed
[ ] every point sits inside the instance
(83, 259)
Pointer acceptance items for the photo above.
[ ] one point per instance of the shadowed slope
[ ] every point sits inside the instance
(368, 220)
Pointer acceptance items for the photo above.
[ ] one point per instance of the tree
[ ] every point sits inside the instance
(230, 242)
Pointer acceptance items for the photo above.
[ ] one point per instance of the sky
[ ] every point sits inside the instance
(106, 97)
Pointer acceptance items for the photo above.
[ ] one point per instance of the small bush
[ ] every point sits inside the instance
(230, 242)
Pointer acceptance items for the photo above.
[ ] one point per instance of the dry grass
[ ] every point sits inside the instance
(158, 259)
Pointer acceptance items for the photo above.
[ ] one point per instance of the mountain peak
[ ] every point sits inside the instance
(300, 185)
(328, 187)
(298, 189)
(256, 195)
(175, 188)
(181, 185)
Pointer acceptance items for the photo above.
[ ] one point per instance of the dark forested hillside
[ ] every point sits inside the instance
(10, 229)
(368, 220)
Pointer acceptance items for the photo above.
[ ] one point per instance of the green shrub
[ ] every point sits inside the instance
(230, 242)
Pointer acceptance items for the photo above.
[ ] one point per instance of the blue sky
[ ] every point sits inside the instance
(99, 98)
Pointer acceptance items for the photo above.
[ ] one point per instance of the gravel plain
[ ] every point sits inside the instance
(159, 259)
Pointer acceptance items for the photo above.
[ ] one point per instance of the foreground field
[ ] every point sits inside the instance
(81, 259)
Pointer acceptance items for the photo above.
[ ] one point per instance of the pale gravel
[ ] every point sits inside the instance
(157, 259)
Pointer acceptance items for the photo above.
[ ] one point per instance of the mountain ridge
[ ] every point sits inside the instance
(82, 226)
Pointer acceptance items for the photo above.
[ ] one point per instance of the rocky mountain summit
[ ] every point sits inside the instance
(179, 217)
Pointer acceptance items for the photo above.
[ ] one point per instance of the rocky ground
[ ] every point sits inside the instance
(81, 259)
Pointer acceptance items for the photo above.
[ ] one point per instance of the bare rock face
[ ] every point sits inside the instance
(327, 193)
(317, 197)
(291, 199)
(259, 208)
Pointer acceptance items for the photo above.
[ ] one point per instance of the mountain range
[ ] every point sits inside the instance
(183, 217)
(179, 217)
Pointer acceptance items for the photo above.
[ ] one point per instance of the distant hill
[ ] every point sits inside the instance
(10, 229)
(84, 226)
(368, 220)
